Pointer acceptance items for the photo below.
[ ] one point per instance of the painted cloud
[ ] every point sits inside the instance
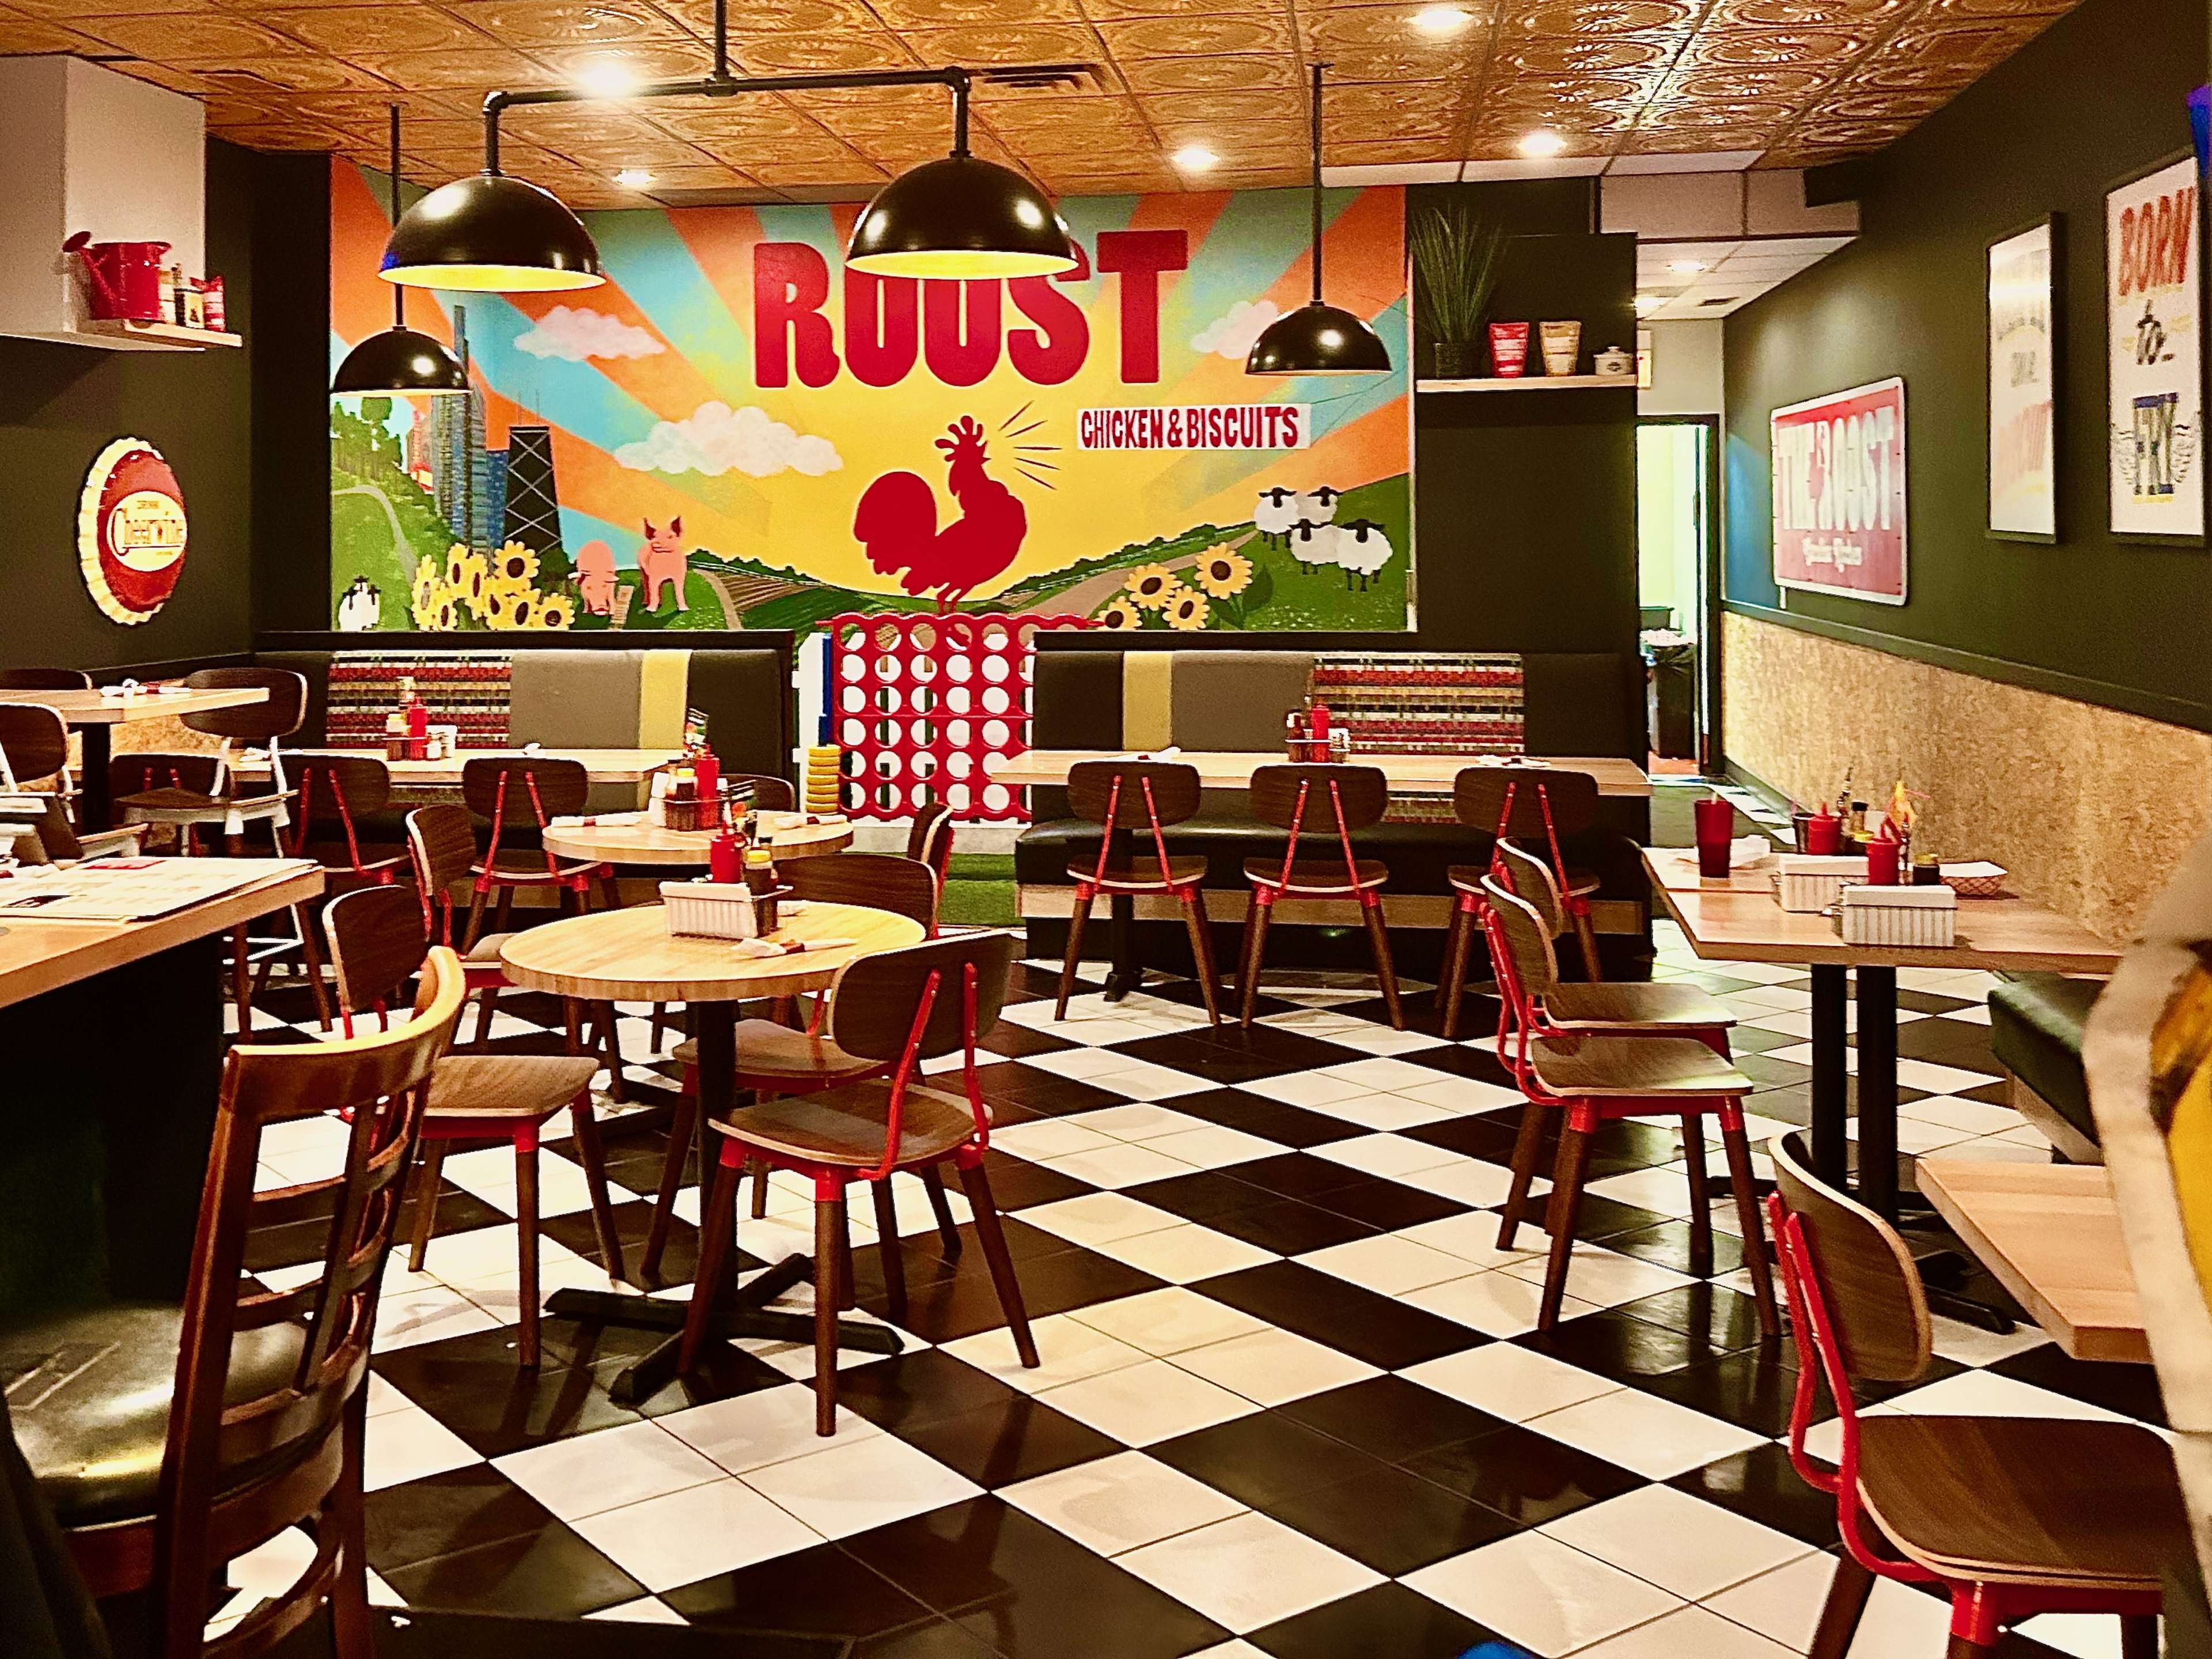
(573, 335)
(718, 439)
(1232, 334)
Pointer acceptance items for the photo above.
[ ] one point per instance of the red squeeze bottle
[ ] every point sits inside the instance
(726, 865)
(708, 772)
(1321, 722)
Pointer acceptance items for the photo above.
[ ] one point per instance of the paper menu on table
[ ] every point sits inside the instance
(130, 889)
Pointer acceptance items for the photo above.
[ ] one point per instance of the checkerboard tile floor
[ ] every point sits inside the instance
(1292, 1400)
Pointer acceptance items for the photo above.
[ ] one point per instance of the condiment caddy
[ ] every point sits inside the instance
(1311, 737)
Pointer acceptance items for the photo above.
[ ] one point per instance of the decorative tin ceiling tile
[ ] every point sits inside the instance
(939, 14)
(1602, 17)
(775, 53)
(342, 31)
(774, 17)
(1241, 72)
(528, 23)
(1169, 37)
(1825, 50)
(188, 39)
(979, 44)
(1587, 55)
(478, 70)
(1740, 114)
(25, 36)
(1803, 14)
(640, 60)
(1099, 10)
(1678, 141)
(1727, 85)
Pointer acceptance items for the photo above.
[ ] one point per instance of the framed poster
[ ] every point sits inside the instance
(2154, 293)
(2022, 317)
(1839, 498)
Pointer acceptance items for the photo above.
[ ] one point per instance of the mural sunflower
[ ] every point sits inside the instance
(1187, 610)
(514, 565)
(446, 616)
(457, 565)
(555, 611)
(425, 594)
(1119, 617)
(492, 608)
(1224, 573)
(476, 572)
(522, 608)
(1151, 585)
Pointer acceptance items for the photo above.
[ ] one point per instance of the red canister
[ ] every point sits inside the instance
(725, 859)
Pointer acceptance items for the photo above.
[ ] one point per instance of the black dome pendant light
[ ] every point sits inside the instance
(958, 217)
(1318, 338)
(399, 360)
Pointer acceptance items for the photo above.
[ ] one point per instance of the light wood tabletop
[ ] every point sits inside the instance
(644, 843)
(1409, 774)
(604, 765)
(630, 956)
(2050, 1234)
(1740, 919)
(91, 708)
(39, 955)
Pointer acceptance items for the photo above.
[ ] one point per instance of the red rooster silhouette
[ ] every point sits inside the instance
(897, 522)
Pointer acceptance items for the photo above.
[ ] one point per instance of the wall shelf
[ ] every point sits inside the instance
(1533, 383)
(119, 335)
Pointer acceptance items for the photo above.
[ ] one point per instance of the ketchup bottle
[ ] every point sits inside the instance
(725, 859)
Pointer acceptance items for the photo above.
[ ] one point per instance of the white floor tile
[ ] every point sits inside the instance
(1374, 1109)
(1982, 1393)
(1113, 1504)
(1468, 1180)
(866, 1482)
(749, 1432)
(1140, 1404)
(1605, 1277)
(1388, 1264)
(411, 1445)
(1380, 1074)
(1096, 1218)
(1047, 1138)
(1135, 1121)
(1391, 1156)
(1069, 1350)
(1691, 1633)
(1510, 1381)
(1314, 1089)
(1273, 1367)
(646, 1610)
(1655, 1437)
(1495, 1302)
(1548, 1597)
(1118, 1164)
(1248, 1571)
(1682, 1544)
(1166, 1321)
(1474, 1237)
(687, 1535)
(1213, 1146)
(1185, 1254)
(1782, 1603)
(1900, 1620)
(427, 1316)
(586, 1473)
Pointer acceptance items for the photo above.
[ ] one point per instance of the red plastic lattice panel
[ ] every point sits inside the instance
(922, 705)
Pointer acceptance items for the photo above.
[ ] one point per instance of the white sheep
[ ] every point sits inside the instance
(1319, 506)
(1277, 512)
(1313, 545)
(1362, 548)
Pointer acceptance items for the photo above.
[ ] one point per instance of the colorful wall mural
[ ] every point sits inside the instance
(736, 432)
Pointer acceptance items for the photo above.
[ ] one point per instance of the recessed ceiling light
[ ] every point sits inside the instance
(1687, 266)
(1650, 301)
(1195, 158)
(1441, 20)
(633, 178)
(1542, 142)
(607, 80)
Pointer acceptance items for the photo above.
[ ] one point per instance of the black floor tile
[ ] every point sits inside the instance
(1761, 1486)
(820, 1591)
(1204, 1195)
(1721, 1319)
(1526, 1477)
(1265, 1458)
(447, 1514)
(1018, 1184)
(551, 1573)
(1612, 1344)
(1040, 1091)
(1027, 1590)
(1289, 1227)
(1391, 1520)
(1238, 1054)
(937, 1639)
(474, 1385)
(2130, 1390)
(1013, 1439)
(1753, 1389)
(1750, 1040)
(911, 1390)
(1298, 1175)
(961, 1306)
(1479, 1064)
(1388, 1620)
(1014, 1041)
(1479, 1136)
(1668, 1244)
(1388, 1205)
(1319, 1306)
(1390, 1418)
(1285, 1125)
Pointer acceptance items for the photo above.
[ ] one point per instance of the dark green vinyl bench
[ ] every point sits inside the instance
(2035, 1031)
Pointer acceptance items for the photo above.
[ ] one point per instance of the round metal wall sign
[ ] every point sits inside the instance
(130, 531)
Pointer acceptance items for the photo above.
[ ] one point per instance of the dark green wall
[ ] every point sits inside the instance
(60, 405)
(2098, 96)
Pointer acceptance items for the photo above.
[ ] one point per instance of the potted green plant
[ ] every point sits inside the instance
(1456, 253)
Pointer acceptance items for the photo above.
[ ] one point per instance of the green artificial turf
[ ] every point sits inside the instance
(978, 890)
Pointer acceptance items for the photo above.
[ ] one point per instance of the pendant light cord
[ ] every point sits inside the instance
(398, 289)
(1317, 68)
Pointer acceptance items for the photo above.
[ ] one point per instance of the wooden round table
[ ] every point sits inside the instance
(644, 844)
(630, 956)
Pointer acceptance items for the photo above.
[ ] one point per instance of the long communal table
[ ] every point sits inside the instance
(93, 714)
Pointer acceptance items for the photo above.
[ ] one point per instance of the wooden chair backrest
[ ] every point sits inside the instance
(148, 768)
(254, 722)
(930, 840)
(525, 789)
(768, 794)
(45, 679)
(1865, 1275)
(34, 739)
(330, 788)
(377, 945)
(1091, 794)
(441, 845)
(1530, 878)
(883, 881)
(382, 1083)
(874, 1001)
(1530, 960)
(1478, 796)
(1364, 793)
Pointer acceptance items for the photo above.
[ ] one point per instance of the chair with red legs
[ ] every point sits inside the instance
(1334, 802)
(929, 840)
(1597, 1076)
(2007, 1516)
(521, 794)
(378, 944)
(1124, 797)
(774, 1059)
(441, 845)
(333, 796)
(898, 1008)
(1514, 804)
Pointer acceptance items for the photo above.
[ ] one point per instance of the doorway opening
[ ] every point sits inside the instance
(1677, 509)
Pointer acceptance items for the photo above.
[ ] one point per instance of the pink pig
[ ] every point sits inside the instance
(595, 578)
(663, 562)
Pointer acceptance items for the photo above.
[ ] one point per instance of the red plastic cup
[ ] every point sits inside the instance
(1715, 832)
(1882, 862)
(1824, 833)
(725, 859)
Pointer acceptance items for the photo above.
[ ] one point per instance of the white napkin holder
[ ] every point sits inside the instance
(1905, 917)
(706, 909)
(1811, 882)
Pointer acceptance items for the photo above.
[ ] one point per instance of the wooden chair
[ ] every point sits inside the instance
(33, 748)
(774, 1059)
(929, 840)
(45, 679)
(441, 846)
(897, 1008)
(1341, 801)
(1597, 1078)
(1541, 804)
(1119, 797)
(2009, 1516)
(335, 793)
(378, 944)
(769, 794)
(529, 792)
(169, 1441)
(218, 806)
